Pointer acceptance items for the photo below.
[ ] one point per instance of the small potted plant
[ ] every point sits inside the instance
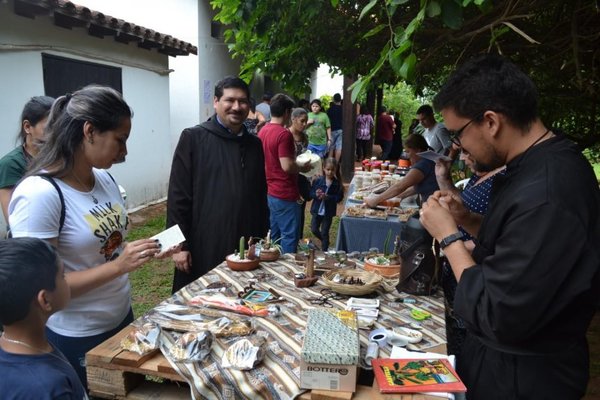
(243, 260)
(269, 250)
(386, 264)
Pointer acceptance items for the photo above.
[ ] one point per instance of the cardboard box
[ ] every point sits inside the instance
(331, 351)
(336, 377)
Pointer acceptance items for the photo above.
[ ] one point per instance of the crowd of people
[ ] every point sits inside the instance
(520, 262)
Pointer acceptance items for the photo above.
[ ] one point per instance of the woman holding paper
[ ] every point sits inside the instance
(419, 180)
(77, 206)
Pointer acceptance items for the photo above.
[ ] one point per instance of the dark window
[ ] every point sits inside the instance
(65, 75)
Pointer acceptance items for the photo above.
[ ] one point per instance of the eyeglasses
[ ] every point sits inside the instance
(455, 135)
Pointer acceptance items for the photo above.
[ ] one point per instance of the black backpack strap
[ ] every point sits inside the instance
(60, 195)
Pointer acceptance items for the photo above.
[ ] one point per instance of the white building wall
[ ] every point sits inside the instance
(321, 82)
(179, 19)
(214, 58)
(22, 41)
(163, 105)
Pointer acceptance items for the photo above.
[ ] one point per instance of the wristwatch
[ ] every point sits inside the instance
(448, 240)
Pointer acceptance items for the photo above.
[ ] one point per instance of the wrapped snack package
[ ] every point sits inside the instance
(186, 347)
(187, 319)
(143, 338)
(244, 354)
(230, 304)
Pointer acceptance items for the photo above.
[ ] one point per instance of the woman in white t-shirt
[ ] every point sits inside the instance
(86, 134)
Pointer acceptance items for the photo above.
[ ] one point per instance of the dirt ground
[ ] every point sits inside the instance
(593, 393)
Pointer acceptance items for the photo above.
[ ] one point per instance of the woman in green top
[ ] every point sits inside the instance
(318, 129)
(14, 164)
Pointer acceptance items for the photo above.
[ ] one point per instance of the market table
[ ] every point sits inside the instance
(115, 373)
(362, 234)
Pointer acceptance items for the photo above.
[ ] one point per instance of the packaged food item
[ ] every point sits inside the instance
(143, 338)
(236, 305)
(244, 354)
(187, 347)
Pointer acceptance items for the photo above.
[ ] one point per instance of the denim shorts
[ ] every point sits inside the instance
(336, 139)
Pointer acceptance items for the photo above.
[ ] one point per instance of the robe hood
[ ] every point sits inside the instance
(212, 125)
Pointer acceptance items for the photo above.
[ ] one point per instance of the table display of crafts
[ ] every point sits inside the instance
(385, 209)
(185, 332)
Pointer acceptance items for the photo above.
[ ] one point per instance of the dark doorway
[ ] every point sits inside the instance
(65, 75)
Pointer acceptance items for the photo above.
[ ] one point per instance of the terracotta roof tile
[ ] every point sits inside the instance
(70, 15)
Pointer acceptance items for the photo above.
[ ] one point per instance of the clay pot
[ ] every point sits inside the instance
(387, 271)
(241, 265)
(269, 255)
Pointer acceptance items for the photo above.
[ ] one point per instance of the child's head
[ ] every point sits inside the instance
(330, 167)
(315, 106)
(31, 275)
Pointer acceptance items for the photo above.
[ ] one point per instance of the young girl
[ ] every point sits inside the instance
(326, 192)
(318, 129)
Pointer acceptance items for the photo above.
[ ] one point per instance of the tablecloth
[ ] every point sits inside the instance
(361, 234)
(278, 376)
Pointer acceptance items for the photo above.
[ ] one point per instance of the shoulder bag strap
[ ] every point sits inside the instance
(60, 195)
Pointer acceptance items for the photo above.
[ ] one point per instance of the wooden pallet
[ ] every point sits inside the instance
(113, 373)
(117, 374)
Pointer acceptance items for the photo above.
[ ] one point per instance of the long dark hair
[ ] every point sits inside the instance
(35, 110)
(101, 106)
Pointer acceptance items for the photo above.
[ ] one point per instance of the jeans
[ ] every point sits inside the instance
(320, 225)
(285, 221)
(386, 147)
(74, 348)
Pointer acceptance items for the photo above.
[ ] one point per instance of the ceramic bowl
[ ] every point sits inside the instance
(241, 265)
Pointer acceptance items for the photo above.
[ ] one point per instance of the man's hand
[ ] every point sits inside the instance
(453, 203)
(437, 219)
(183, 261)
(372, 201)
(442, 168)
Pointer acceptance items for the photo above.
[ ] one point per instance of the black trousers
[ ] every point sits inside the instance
(361, 148)
(320, 225)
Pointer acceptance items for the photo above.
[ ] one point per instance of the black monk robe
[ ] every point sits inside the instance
(217, 193)
(529, 300)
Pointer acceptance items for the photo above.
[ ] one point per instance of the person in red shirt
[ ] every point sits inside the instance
(385, 132)
(282, 174)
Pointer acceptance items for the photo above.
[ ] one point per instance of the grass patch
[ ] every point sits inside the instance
(152, 283)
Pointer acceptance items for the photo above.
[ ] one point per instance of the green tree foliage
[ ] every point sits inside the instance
(383, 41)
(401, 98)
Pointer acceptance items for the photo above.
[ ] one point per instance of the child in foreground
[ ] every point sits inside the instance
(326, 192)
(33, 287)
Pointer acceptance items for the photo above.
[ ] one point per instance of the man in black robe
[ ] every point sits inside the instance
(217, 187)
(530, 288)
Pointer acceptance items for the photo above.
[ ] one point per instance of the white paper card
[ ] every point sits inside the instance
(433, 156)
(170, 237)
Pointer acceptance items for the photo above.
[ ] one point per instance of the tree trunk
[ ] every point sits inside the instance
(348, 141)
(371, 106)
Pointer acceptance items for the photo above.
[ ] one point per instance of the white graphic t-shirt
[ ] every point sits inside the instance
(93, 233)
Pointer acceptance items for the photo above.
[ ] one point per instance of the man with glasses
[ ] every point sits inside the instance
(435, 132)
(531, 286)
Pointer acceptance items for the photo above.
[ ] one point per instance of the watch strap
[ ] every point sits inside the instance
(448, 240)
